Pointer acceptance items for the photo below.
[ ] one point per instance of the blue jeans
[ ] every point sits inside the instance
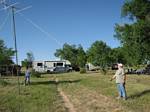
(121, 90)
(27, 79)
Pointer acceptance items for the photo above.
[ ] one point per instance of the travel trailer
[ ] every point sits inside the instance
(50, 66)
(91, 67)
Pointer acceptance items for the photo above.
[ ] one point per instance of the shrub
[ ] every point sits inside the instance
(82, 70)
(104, 71)
(35, 74)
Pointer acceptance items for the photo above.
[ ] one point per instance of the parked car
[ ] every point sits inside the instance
(140, 71)
(62, 69)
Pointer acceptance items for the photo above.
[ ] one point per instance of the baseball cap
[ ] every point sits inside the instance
(120, 64)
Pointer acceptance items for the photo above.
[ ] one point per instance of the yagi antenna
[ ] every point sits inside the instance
(3, 2)
(14, 10)
(23, 9)
(10, 6)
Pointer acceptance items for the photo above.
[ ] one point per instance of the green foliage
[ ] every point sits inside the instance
(104, 71)
(25, 63)
(135, 37)
(68, 52)
(30, 57)
(138, 9)
(35, 74)
(28, 62)
(99, 54)
(75, 55)
(81, 57)
(117, 55)
(5, 54)
(82, 70)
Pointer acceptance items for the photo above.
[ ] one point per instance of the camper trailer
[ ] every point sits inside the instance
(50, 66)
(91, 67)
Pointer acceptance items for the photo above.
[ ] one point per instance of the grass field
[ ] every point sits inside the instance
(90, 92)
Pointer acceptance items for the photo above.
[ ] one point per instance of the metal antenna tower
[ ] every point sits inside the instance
(14, 10)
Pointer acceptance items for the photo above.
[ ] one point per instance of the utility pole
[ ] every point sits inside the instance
(15, 40)
(6, 6)
(14, 10)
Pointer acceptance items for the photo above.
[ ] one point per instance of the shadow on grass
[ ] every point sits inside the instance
(139, 94)
(54, 82)
(91, 72)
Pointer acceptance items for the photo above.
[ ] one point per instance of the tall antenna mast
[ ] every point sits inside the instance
(14, 10)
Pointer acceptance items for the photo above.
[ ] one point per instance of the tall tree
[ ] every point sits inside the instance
(99, 54)
(136, 9)
(135, 37)
(75, 55)
(30, 57)
(5, 54)
(117, 56)
(81, 57)
(29, 60)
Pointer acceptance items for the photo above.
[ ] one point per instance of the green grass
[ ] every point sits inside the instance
(40, 96)
(138, 89)
(83, 90)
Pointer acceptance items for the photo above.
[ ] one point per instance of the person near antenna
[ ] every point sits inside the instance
(120, 77)
(27, 76)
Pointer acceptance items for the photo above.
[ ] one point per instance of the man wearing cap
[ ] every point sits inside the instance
(120, 81)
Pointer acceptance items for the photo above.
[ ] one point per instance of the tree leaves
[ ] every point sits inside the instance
(98, 54)
(135, 37)
(5, 54)
(76, 55)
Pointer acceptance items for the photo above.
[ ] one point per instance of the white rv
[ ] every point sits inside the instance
(49, 66)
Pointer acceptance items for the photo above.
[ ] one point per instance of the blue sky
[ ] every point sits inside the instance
(50, 23)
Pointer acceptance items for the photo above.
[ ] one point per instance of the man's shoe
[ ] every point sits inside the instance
(118, 97)
(124, 98)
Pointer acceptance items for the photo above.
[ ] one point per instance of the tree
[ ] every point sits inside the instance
(29, 60)
(75, 55)
(135, 37)
(99, 54)
(5, 54)
(81, 57)
(136, 9)
(24, 63)
(117, 55)
(30, 57)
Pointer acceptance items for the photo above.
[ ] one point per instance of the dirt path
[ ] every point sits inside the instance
(85, 100)
(78, 98)
(67, 102)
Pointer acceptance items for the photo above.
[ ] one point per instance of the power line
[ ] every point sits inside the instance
(41, 29)
(34, 24)
(5, 21)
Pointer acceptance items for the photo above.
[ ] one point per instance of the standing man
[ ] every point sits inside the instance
(27, 76)
(120, 81)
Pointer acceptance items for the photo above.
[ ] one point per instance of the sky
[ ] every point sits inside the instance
(48, 24)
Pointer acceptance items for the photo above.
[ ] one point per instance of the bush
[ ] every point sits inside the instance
(82, 70)
(36, 74)
(104, 71)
